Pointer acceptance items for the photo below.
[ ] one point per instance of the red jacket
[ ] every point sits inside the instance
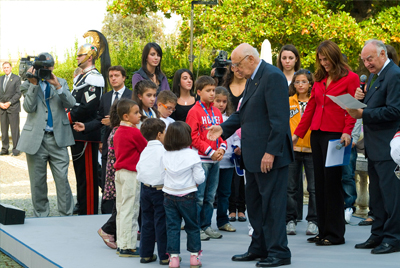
(198, 120)
(128, 145)
(325, 115)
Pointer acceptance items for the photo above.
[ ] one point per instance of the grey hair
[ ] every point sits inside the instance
(251, 51)
(378, 44)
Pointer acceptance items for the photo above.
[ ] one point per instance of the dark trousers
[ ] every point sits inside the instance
(176, 208)
(295, 182)
(9, 120)
(384, 190)
(223, 192)
(153, 223)
(237, 200)
(110, 227)
(328, 189)
(266, 195)
(87, 182)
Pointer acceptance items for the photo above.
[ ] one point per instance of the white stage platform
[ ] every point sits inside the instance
(74, 242)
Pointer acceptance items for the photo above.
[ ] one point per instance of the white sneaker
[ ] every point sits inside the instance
(312, 228)
(291, 228)
(348, 212)
(212, 233)
(251, 230)
(204, 236)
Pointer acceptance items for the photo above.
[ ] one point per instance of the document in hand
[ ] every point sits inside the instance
(347, 101)
(337, 157)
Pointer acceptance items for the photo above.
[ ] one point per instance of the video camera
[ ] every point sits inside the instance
(220, 63)
(38, 63)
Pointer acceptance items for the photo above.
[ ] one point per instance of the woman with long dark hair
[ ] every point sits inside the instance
(327, 121)
(151, 68)
(289, 61)
(183, 87)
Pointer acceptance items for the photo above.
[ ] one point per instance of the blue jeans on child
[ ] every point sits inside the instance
(224, 192)
(176, 208)
(348, 181)
(153, 223)
(206, 194)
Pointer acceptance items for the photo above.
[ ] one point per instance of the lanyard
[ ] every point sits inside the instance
(149, 115)
(212, 120)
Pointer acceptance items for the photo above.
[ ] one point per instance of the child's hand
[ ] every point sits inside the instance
(221, 153)
(216, 155)
(237, 151)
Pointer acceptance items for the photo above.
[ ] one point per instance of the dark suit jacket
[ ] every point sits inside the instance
(381, 117)
(12, 93)
(264, 119)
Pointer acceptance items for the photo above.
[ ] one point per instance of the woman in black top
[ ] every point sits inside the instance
(183, 87)
(235, 84)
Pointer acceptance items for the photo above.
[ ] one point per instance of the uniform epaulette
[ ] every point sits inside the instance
(94, 78)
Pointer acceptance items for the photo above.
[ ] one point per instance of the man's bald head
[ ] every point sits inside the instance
(245, 59)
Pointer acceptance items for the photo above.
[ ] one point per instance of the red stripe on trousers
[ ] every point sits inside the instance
(89, 179)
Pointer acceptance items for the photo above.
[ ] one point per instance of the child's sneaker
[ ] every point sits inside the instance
(174, 262)
(129, 253)
(195, 261)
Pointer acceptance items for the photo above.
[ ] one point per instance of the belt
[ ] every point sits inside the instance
(158, 187)
(49, 133)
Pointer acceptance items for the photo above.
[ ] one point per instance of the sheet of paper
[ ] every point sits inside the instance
(334, 156)
(347, 101)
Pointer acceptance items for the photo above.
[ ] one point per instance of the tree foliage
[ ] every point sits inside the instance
(304, 23)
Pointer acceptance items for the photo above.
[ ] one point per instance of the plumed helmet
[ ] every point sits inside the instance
(46, 59)
(88, 50)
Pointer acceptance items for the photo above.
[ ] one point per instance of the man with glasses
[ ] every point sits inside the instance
(381, 119)
(266, 154)
(45, 137)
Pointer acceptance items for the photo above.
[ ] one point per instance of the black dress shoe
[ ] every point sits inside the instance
(248, 256)
(365, 222)
(385, 248)
(314, 239)
(370, 243)
(273, 262)
(242, 219)
(231, 219)
(4, 153)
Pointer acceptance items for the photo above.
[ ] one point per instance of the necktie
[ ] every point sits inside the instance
(373, 80)
(116, 97)
(5, 83)
(47, 96)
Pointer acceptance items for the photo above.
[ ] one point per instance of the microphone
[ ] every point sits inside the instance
(340, 146)
(363, 78)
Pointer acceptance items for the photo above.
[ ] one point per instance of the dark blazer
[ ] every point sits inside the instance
(104, 109)
(11, 94)
(381, 117)
(264, 119)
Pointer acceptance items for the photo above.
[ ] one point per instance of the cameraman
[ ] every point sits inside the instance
(45, 137)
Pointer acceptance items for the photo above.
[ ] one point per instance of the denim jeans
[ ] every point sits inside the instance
(295, 181)
(206, 194)
(348, 181)
(176, 208)
(224, 191)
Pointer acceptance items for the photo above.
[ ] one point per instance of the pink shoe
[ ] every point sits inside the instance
(174, 262)
(195, 261)
(107, 238)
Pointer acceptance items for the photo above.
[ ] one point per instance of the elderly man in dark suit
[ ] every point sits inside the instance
(381, 119)
(266, 154)
(9, 108)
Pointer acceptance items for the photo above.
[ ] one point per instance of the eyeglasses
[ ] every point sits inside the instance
(301, 82)
(170, 109)
(235, 65)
